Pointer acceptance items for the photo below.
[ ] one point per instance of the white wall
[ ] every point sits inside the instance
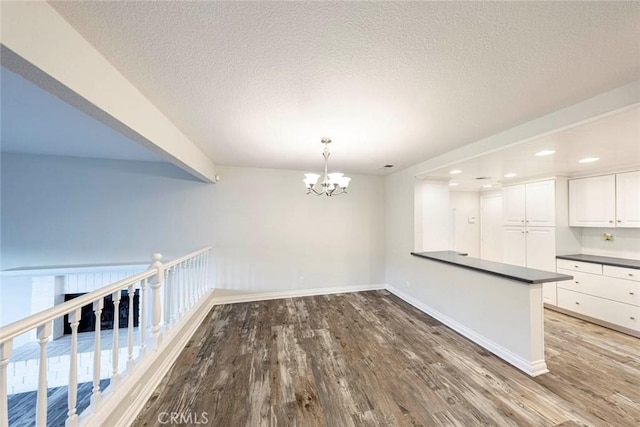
(267, 234)
(625, 243)
(272, 236)
(68, 211)
(466, 235)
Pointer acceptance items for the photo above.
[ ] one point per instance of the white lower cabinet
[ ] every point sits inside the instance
(606, 293)
(617, 313)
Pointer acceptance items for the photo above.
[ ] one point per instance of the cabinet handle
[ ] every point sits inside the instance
(577, 283)
(576, 266)
(611, 222)
(631, 274)
(619, 220)
(527, 221)
(631, 293)
(632, 318)
(577, 303)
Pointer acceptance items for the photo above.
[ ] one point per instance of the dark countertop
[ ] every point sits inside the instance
(606, 260)
(520, 274)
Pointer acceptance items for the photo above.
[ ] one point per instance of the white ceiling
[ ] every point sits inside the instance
(36, 122)
(259, 83)
(614, 140)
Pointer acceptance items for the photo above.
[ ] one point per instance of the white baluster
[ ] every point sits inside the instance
(115, 376)
(189, 284)
(131, 290)
(43, 333)
(167, 299)
(181, 289)
(143, 317)
(194, 282)
(174, 297)
(198, 278)
(156, 287)
(202, 273)
(6, 348)
(96, 395)
(206, 271)
(72, 395)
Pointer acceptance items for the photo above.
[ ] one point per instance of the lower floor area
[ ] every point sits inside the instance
(369, 358)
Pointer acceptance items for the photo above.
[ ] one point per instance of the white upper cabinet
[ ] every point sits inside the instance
(513, 205)
(540, 204)
(628, 199)
(592, 201)
(529, 204)
(605, 201)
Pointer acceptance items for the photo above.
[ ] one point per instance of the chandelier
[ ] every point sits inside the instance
(332, 184)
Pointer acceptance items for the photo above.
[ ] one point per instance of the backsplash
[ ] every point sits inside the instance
(625, 243)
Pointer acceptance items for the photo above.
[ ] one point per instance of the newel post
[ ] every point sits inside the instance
(155, 283)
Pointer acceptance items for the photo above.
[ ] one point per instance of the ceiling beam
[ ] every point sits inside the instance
(40, 45)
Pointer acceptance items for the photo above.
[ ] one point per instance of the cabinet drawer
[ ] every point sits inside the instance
(618, 313)
(582, 282)
(620, 290)
(621, 272)
(587, 267)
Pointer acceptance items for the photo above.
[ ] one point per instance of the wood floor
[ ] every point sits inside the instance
(371, 359)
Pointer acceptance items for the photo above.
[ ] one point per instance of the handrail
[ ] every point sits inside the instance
(18, 327)
(167, 293)
(184, 258)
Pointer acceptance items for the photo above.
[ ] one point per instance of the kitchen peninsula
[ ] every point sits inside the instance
(496, 305)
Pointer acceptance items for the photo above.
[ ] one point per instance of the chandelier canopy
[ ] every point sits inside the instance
(332, 184)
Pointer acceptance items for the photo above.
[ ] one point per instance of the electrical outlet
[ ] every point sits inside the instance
(608, 237)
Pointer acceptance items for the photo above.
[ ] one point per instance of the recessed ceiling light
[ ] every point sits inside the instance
(510, 175)
(589, 160)
(545, 153)
(488, 185)
(453, 184)
(455, 171)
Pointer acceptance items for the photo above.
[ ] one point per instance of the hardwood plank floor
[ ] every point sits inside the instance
(370, 359)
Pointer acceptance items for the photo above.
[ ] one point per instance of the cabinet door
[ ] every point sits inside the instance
(592, 201)
(540, 204)
(628, 199)
(541, 248)
(514, 247)
(513, 205)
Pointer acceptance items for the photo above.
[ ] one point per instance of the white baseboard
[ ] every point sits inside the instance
(150, 372)
(262, 296)
(533, 368)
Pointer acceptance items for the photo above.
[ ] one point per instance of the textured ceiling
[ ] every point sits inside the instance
(259, 83)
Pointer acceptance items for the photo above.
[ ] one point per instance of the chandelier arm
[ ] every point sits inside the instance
(313, 191)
